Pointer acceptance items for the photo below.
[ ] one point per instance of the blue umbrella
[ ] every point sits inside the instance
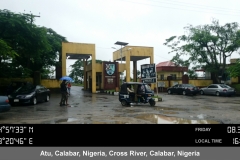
(66, 78)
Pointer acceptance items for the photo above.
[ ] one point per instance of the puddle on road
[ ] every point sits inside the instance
(78, 120)
(95, 96)
(61, 121)
(160, 119)
(201, 116)
(235, 103)
(103, 97)
(209, 107)
(87, 95)
(41, 109)
(113, 122)
(48, 122)
(67, 120)
(169, 112)
(235, 108)
(128, 110)
(72, 106)
(165, 108)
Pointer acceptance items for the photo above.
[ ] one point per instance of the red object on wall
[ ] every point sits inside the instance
(185, 79)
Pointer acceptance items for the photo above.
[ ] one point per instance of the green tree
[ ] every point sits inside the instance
(234, 70)
(191, 73)
(52, 56)
(27, 46)
(11, 26)
(207, 46)
(6, 52)
(138, 73)
(97, 61)
(77, 71)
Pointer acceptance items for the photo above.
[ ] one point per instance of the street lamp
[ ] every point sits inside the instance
(121, 44)
(121, 76)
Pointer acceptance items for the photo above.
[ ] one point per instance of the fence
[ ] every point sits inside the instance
(180, 78)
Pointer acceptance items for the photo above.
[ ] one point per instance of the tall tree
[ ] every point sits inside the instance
(6, 54)
(37, 47)
(97, 61)
(234, 70)
(207, 46)
(77, 71)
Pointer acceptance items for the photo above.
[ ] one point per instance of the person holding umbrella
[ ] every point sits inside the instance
(64, 93)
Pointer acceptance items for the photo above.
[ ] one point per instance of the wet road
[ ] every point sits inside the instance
(88, 108)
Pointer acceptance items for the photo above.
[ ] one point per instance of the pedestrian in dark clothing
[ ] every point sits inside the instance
(63, 92)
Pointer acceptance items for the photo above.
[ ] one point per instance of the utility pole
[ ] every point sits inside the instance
(37, 74)
(32, 16)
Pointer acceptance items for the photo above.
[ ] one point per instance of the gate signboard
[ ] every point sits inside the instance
(148, 73)
(149, 80)
(110, 75)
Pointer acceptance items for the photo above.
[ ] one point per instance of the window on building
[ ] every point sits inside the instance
(174, 76)
(162, 77)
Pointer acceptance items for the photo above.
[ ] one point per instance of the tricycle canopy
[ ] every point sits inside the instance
(123, 89)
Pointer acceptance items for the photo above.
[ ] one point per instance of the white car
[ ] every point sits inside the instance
(218, 89)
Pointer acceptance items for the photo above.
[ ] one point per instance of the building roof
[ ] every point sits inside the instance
(170, 67)
(166, 63)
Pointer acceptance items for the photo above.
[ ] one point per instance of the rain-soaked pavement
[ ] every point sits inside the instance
(88, 108)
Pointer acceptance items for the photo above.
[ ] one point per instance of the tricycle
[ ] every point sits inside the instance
(141, 94)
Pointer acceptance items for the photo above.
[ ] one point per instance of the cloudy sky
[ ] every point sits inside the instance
(137, 22)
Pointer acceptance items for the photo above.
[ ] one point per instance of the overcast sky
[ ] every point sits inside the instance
(137, 22)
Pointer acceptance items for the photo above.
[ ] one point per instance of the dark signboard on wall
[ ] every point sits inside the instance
(149, 80)
(148, 73)
(110, 75)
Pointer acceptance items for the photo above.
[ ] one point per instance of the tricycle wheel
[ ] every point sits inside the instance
(124, 102)
(152, 102)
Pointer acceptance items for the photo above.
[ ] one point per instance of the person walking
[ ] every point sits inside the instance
(69, 87)
(64, 93)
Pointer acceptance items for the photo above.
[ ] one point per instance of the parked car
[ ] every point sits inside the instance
(4, 104)
(218, 89)
(29, 93)
(184, 89)
(14, 86)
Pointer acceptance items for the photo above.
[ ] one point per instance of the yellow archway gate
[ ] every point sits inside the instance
(80, 51)
(134, 54)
